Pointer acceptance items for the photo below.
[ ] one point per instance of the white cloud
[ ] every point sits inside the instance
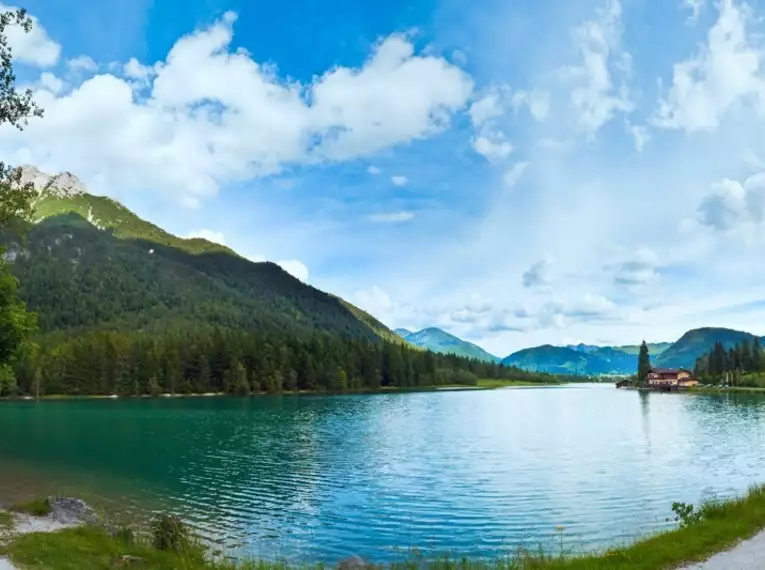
(695, 6)
(50, 82)
(640, 135)
(399, 180)
(82, 63)
(489, 106)
(735, 207)
(537, 101)
(513, 175)
(211, 116)
(594, 97)
(295, 268)
(392, 218)
(134, 69)
(209, 235)
(492, 145)
(33, 47)
(373, 170)
(726, 71)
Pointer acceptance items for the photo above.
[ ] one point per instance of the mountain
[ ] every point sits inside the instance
(436, 340)
(694, 343)
(593, 360)
(654, 348)
(89, 262)
(64, 193)
(581, 347)
(556, 360)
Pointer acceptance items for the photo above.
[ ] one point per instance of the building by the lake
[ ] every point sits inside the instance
(668, 379)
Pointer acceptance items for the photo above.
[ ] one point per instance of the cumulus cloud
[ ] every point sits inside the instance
(34, 47)
(399, 180)
(492, 145)
(82, 63)
(210, 115)
(392, 217)
(537, 101)
(594, 96)
(538, 275)
(50, 82)
(515, 173)
(136, 70)
(724, 72)
(734, 207)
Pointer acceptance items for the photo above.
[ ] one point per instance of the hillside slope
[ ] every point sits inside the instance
(695, 342)
(89, 262)
(437, 340)
(556, 360)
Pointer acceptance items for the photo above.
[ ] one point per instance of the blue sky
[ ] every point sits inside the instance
(515, 172)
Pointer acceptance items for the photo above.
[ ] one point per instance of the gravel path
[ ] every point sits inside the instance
(747, 555)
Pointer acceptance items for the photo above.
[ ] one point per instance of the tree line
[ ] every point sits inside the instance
(730, 365)
(212, 360)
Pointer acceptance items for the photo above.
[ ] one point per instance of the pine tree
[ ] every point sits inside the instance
(644, 364)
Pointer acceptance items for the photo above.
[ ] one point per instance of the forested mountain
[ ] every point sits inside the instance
(591, 360)
(442, 342)
(696, 342)
(557, 360)
(124, 307)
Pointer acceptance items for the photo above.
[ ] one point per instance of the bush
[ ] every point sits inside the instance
(686, 515)
(170, 533)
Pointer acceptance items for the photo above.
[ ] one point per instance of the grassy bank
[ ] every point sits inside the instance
(714, 527)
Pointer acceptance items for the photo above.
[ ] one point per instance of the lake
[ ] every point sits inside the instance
(478, 473)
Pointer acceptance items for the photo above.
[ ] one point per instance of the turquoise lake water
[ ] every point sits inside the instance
(478, 473)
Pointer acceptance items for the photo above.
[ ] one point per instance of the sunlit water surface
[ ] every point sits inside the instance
(478, 473)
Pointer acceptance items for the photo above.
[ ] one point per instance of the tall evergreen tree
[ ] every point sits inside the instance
(644, 363)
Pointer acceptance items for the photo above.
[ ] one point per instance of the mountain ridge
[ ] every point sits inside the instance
(438, 340)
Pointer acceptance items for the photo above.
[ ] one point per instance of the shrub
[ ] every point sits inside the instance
(36, 508)
(170, 533)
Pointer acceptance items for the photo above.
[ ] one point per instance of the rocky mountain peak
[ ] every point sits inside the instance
(62, 185)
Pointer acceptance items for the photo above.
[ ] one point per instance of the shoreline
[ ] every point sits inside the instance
(722, 530)
(483, 384)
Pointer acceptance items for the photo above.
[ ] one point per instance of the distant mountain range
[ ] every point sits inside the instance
(437, 340)
(594, 360)
(585, 359)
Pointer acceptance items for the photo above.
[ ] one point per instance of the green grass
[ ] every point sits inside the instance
(721, 526)
(36, 508)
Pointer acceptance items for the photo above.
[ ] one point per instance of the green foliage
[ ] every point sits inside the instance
(8, 384)
(170, 533)
(205, 359)
(740, 365)
(686, 514)
(644, 363)
(36, 508)
(6, 520)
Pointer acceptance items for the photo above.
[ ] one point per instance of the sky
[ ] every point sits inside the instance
(516, 172)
